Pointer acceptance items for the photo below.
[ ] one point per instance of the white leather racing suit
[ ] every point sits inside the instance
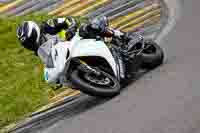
(53, 54)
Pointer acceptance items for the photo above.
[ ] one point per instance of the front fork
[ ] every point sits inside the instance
(120, 63)
(83, 66)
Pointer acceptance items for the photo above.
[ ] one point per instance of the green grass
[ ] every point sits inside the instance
(22, 88)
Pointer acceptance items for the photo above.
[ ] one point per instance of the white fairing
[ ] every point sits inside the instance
(91, 47)
(77, 48)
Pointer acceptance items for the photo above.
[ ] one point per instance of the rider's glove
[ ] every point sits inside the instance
(118, 34)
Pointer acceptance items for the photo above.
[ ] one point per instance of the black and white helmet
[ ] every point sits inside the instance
(29, 35)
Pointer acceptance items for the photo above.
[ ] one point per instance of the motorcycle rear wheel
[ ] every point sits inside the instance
(153, 56)
(95, 86)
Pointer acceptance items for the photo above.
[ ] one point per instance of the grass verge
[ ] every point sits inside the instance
(22, 89)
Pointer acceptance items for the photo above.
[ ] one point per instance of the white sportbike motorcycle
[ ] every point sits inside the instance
(99, 69)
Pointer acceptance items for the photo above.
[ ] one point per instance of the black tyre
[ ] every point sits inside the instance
(152, 56)
(94, 86)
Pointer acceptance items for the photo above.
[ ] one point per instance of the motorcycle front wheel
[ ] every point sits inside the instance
(103, 85)
(152, 56)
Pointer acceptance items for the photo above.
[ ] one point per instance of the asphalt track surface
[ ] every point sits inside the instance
(166, 100)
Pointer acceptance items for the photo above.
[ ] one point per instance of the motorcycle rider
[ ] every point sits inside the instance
(32, 36)
(98, 28)
(37, 39)
(42, 40)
